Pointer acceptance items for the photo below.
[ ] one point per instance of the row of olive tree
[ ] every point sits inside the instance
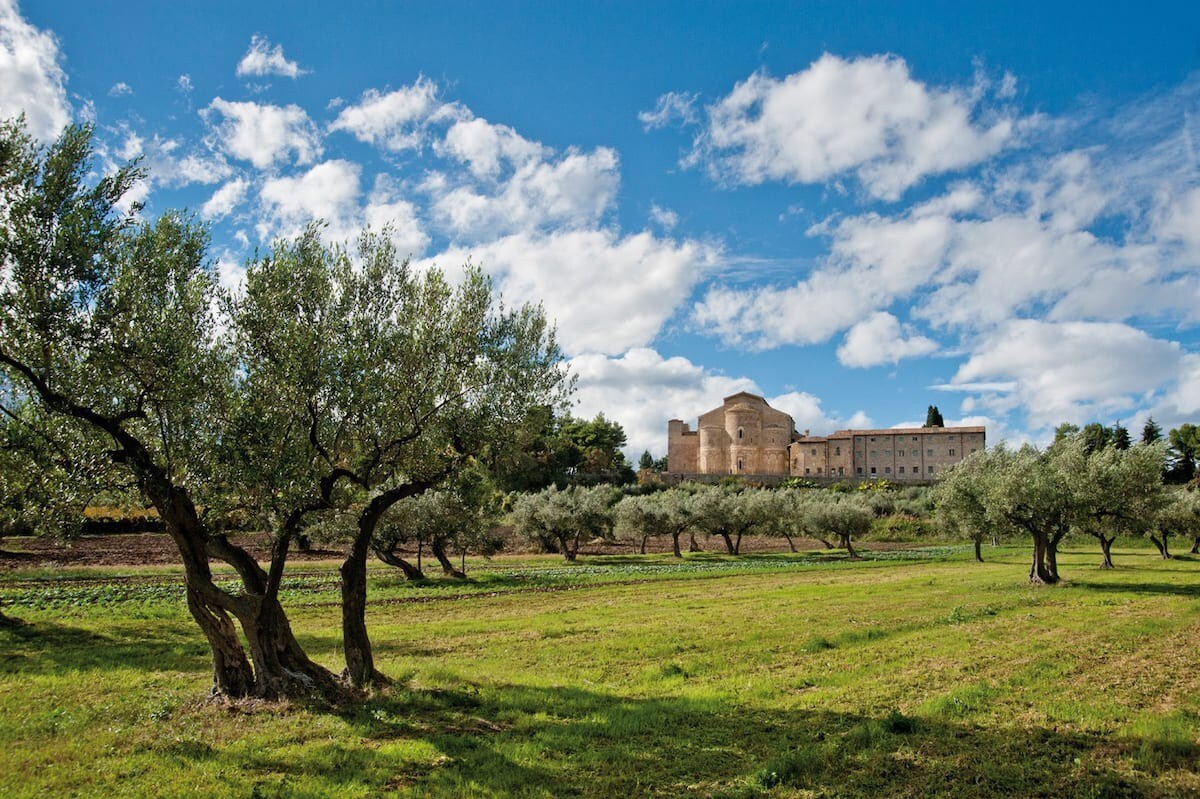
(337, 384)
(559, 521)
(1067, 488)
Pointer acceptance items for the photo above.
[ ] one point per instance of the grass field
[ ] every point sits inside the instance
(912, 673)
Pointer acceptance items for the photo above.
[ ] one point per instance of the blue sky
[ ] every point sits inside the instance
(854, 209)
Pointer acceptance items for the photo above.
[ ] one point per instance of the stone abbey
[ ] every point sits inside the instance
(746, 436)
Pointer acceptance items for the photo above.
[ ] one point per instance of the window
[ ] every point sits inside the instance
(914, 438)
(860, 470)
(952, 450)
(872, 470)
(837, 450)
(872, 438)
(807, 471)
(818, 470)
(887, 469)
(841, 471)
(873, 453)
(901, 470)
(973, 449)
(929, 452)
(814, 451)
(740, 432)
(887, 452)
(931, 470)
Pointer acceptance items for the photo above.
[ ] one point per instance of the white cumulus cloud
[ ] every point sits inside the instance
(396, 120)
(606, 292)
(879, 339)
(264, 134)
(864, 116)
(261, 60)
(32, 81)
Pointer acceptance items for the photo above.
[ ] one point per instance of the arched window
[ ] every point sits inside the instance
(741, 432)
(739, 464)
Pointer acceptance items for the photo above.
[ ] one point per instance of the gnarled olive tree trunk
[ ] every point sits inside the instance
(438, 546)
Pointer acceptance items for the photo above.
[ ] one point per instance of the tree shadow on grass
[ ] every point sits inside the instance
(44, 647)
(1191, 590)
(515, 740)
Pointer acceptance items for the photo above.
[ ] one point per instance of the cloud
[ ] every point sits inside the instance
(485, 148)
(663, 217)
(1071, 371)
(31, 79)
(225, 199)
(262, 60)
(572, 191)
(879, 339)
(642, 390)
(671, 108)
(169, 163)
(806, 411)
(607, 292)
(329, 191)
(265, 134)
(121, 89)
(864, 116)
(183, 84)
(396, 120)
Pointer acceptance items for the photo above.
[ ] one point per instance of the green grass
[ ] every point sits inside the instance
(906, 674)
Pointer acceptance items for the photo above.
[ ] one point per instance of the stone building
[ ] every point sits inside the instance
(746, 436)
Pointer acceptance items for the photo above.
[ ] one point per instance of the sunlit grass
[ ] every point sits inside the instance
(773, 676)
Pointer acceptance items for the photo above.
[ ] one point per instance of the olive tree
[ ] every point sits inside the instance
(457, 515)
(838, 517)
(397, 378)
(669, 513)
(1179, 515)
(1120, 492)
(565, 518)
(960, 496)
(107, 323)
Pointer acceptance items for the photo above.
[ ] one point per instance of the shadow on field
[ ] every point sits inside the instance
(524, 741)
(1169, 589)
(49, 648)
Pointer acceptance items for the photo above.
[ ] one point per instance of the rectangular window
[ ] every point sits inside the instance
(887, 452)
(914, 438)
(872, 470)
(952, 450)
(929, 452)
(837, 450)
(818, 470)
(931, 470)
(887, 469)
(901, 470)
(841, 471)
(806, 471)
(860, 470)
(872, 438)
(814, 451)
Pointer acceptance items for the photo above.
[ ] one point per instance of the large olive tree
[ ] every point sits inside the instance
(107, 324)
(390, 379)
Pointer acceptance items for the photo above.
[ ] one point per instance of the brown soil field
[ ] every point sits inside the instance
(138, 549)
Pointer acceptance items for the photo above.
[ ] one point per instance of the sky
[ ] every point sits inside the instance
(856, 210)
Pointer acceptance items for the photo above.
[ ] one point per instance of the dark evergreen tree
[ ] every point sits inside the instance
(933, 417)
(1120, 437)
(1151, 432)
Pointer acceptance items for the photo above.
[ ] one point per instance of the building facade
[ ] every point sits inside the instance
(746, 436)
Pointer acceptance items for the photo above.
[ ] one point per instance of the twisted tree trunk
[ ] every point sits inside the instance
(439, 551)
(978, 550)
(1039, 573)
(695, 547)
(1160, 543)
(390, 557)
(1106, 548)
